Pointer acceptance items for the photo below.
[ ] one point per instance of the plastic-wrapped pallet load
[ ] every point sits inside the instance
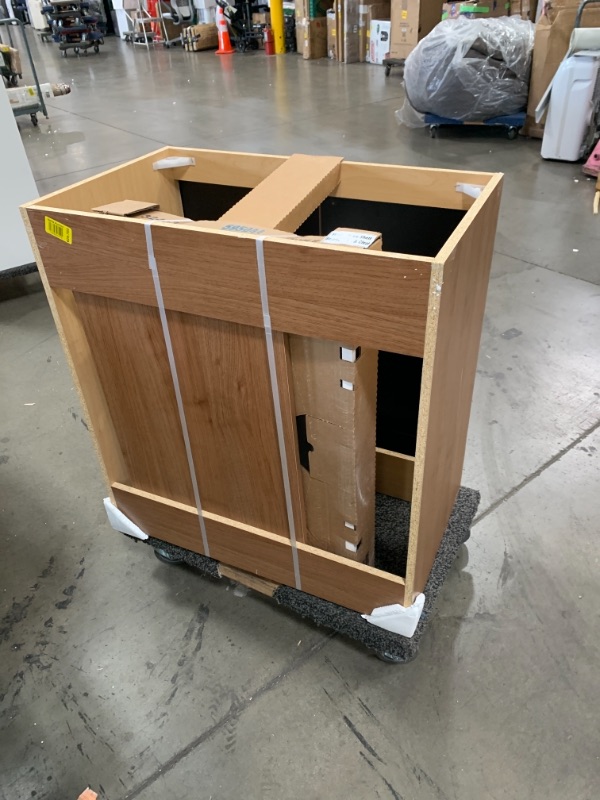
(469, 70)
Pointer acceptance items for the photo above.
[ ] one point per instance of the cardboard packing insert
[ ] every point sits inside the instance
(374, 353)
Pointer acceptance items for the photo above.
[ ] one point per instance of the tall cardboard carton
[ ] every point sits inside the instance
(367, 12)
(339, 26)
(351, 16)
(311, 37)
(331, 34)
(411, 21)
(552, 34)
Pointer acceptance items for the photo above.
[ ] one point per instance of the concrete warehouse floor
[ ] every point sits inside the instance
(152, 682)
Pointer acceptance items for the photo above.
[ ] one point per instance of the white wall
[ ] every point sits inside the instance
(15, 173)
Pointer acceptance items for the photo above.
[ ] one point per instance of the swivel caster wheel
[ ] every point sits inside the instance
(388, 658)
(166, 557)
(433, 131)
(512, 133)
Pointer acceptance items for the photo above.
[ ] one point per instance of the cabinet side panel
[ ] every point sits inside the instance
(457, 304)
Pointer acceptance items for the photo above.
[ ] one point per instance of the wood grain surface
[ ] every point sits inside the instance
(247, 579)
(415, 186)
(326, 575)
(226, 391)
(97, 414)
(134, 180)
(108, 256)
(395, 473)
(346, 294)
(224, 167)
(128, 348)
(338, 293)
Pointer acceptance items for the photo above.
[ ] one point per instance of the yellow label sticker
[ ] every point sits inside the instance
(31, 90)
(405, 15)
(57, 229)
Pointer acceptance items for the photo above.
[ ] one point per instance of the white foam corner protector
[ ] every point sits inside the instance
(396, 618)
(121, 523)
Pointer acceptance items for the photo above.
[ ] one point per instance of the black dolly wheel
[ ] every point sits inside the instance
(433, 131)
(512, 133)
(166, 557)
(389, 658)
(388, 69)
(34, 120)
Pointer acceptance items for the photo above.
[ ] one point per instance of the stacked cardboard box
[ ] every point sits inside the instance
(368, 13)
(311, 27)
(311, 37)
(331, 35)
(552, 34)
(411, 21)
(526, 9)
(349, 25)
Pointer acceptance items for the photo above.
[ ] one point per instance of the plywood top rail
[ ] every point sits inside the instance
(336, 293)
(419, 186)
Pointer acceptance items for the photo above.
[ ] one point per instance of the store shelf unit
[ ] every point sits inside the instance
(73, 27)
(11, 76)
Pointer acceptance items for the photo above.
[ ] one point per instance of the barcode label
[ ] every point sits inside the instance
(58, 230)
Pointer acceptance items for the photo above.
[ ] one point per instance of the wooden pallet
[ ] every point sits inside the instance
(424, 306)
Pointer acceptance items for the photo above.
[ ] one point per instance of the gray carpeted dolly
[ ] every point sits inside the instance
(391, 544)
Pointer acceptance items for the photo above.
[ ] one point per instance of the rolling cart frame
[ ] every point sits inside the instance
(39, 104)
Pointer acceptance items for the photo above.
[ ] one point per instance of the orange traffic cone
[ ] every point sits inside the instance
(225, 48)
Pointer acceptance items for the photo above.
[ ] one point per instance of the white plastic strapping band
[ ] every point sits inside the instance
(470, 189)
(396, 618)
(170, 355)
(264, 299)
(120, 522)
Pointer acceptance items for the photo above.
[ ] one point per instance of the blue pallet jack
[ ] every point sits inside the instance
(511, 122)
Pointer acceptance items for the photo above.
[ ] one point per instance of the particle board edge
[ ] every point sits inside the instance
(446, 387)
